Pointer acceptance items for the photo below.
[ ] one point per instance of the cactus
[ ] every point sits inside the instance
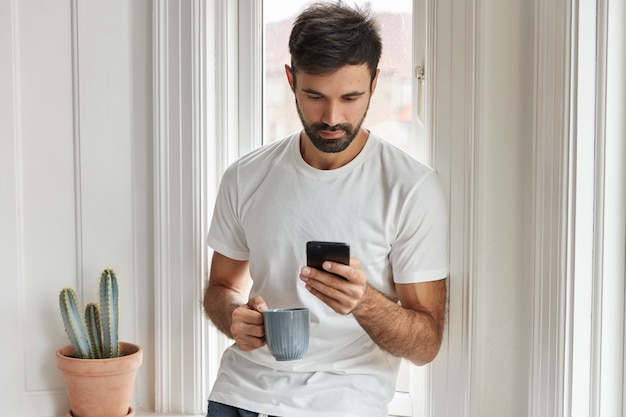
(97, 335)
(94, 329)
(109, 302)
(73, 322)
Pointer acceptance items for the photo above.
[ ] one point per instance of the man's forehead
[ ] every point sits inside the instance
(347, 79)
(347, 68)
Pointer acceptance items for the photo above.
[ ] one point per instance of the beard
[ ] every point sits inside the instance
(330, 145)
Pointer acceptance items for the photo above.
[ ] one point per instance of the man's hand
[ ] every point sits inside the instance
(412, 328)
(343, 295)
(247, 324)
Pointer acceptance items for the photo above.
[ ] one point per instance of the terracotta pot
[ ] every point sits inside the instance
(131, 413)
(100, 387)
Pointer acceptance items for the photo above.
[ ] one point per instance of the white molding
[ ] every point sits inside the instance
(597, 297)
(180, 205)
(578, 314)
(77, 144)
(200, 197)
(551, 182)
(453, 85)
(250, 88)
(607, 354)
(226, 82)
(238, 93)
(161, 196)
(578, 338)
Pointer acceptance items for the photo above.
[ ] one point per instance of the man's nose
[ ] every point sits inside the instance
(331, 115)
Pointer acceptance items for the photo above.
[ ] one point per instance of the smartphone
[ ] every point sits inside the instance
(317, 252)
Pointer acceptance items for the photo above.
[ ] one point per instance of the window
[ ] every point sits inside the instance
(578, 343)
(597, 302)
(263, 99)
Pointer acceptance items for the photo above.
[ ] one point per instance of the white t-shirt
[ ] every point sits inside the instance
(392, 212)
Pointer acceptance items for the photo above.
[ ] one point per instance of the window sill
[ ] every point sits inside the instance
(144, 413)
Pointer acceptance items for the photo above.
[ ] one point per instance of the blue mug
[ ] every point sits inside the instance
(287, 332)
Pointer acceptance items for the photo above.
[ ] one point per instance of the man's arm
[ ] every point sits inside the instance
(412, 329)
(226, 303)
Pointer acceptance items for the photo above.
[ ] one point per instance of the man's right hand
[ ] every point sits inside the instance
(247, 324)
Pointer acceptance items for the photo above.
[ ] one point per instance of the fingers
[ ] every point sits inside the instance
(257, 303)
(247, 324)
(343, 294)
(355, 263)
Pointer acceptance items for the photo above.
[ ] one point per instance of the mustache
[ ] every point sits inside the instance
(324, 126)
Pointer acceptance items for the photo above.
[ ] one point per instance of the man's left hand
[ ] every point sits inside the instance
(341, 287)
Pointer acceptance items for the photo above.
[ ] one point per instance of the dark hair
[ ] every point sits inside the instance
(327, 36)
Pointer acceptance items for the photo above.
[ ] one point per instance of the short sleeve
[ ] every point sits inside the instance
(420, 250)
(226, 234)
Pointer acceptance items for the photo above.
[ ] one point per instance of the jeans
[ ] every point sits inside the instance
(222, 410)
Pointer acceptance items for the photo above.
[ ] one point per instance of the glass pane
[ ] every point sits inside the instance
(390, 112)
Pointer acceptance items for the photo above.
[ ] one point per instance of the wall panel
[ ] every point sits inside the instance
(66, 182)
(38, 200)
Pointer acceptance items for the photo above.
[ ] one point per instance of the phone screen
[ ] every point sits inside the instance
(317, 252)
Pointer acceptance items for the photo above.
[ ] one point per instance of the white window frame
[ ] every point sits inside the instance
(595, 317)
(578, 353)
(197, 46)
(240, 52)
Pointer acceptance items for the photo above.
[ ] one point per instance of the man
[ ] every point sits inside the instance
(333, 181)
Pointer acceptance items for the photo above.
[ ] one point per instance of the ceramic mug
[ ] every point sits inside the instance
(287, 332)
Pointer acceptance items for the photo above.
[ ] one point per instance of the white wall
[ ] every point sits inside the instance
(483, 125)
(505, 63)
(76, 184)
(75, 181)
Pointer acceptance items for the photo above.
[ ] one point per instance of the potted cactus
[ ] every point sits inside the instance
(99, 371)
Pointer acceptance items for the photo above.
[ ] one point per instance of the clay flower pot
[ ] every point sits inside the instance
(131, 413)
(100, 387)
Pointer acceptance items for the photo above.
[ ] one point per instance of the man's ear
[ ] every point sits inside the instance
(374, 81)
(290, 78)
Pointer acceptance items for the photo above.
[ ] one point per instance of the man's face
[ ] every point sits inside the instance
(332, 107)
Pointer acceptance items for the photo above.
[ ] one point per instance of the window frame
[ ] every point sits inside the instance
(240, 52)
(189, 163)
(194, 46)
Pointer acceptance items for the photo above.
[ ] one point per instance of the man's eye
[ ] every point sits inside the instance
(314, 97)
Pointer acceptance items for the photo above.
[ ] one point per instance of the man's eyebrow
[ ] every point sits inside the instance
(310, 91)
(317, 93)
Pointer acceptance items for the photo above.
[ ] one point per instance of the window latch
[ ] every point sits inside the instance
(420, 74)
